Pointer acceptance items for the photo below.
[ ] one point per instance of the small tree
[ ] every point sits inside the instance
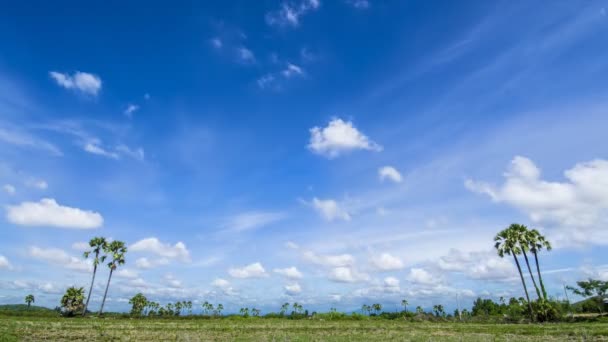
(366, 309)
(244, 312)
(284, 308)
(255, 312)
(377, 308)
(29, 299)
(592, 288)
(419, 310)
(138, 303)
(72, 301)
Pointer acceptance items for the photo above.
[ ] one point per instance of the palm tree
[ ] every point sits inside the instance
(219, 309)
(377, 308)
(404, 303)
(284, 308)
(506, 242)
(523, 235)
(29, 299)
(72, 300)
(97, 245)
(117, 250)
(419, 310)
(537, 242)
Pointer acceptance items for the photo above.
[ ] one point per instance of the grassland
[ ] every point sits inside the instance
(15, 328)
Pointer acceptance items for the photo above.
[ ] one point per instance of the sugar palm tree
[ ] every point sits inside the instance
(523, 238)
(73, 301)
(537, 242)
(219, 309)
(404, 303)
(506, 242)
(29, 299)
(97, 244)
(284, 308)
(116, 250)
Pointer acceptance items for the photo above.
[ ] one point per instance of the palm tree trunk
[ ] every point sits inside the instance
(525, 288)
(103, 302)
(531, 275)
(540, 278)
(86, 305)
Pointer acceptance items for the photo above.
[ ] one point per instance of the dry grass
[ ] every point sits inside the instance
(93, 329)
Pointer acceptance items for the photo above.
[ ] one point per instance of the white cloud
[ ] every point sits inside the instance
(391, 282)
(346, 275)
(171, 281)
(221, 283)
(137, 154)
(255, 270)
(576, 210)
(59, 257)
(48, 212)
(330, 210)
(155, 246)
(9, 189)
(131, 108)
(252, 220)
(292, 70)
(4, 263)
(80, 246)
(387, 262)
(81, 81)
(359, 4)
(37, 183)
(22, 139)
(329, 260)
(145, 263)
(289, 14)
(216, 42)
(289, 272)
(293, 289)
(127, 273)
(423, 277)
(484, 265)
(265, 81)
(339, 137)
(245, 55)
(390, 173)
(95, 148)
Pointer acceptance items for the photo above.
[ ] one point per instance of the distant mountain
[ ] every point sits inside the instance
(23, 307)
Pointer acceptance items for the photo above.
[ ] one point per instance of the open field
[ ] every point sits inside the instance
(109, 329)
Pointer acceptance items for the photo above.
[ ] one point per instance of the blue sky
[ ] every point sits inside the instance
(330, 153)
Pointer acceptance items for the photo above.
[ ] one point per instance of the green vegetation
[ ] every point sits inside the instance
(258, 329)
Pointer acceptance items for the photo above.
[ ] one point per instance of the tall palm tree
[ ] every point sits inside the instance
(116, 250)
(404, 303)
(97, 244)
(506, 243)
(29, 299)
(537, 242)
(523, 236)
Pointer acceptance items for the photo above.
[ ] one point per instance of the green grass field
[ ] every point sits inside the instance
(114, 329)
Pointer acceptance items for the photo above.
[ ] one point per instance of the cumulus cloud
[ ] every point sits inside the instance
(293, 289)
(224, 286)
(423, 277)
(9, 189)
(49, 213)
(289, 14)
(330, 210)
(127, 273)
(4, 263)
(391, 285)
(289, 272)
(166, 250)
(485, 265)
(81, 81)
(59, 257)
(329, 260)
(80, 246)
(346, 274)
(339, 137)
(255, 270)
(245, 55)
(145, 263)
(389, 173)
(386, 262)
(171, 281)
(575, 209)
